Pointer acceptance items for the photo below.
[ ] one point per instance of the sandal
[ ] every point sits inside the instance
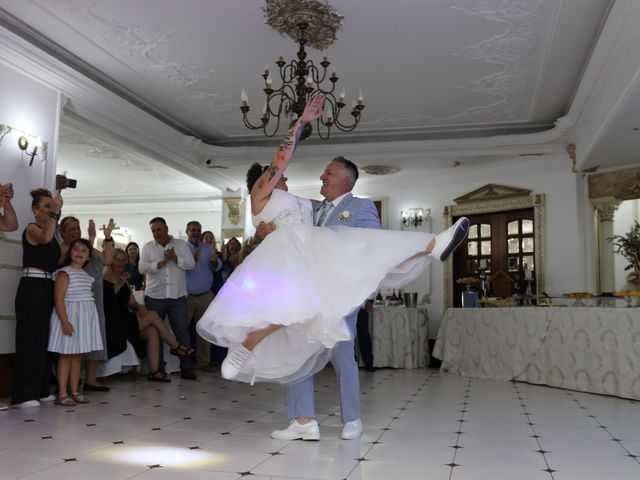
(158, 376)
(79, 398)
(65, 401)
(182, 351)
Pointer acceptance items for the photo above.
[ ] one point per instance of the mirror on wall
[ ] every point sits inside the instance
(626, 215)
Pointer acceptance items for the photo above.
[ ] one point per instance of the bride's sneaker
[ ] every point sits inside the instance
(450, 239)
(236, 358)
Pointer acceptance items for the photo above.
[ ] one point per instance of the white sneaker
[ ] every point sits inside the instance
(450, 239)
(48, 398)
(234, 361)
(28, 404)
(351, 430)
(298, 431)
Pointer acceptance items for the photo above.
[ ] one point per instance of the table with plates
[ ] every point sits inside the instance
(580, 348)
(399, 337)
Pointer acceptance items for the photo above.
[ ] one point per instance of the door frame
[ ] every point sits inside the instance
(537, 202)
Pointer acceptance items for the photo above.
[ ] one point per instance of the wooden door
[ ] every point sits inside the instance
(500, 241)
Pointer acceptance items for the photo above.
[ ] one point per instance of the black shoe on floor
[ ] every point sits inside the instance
(188, 374)
(370, 368)
(95, 388)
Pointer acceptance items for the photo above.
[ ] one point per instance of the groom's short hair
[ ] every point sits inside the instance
(351, 168)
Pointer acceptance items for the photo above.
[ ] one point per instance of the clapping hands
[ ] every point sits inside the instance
(170, 256)
(6, 192)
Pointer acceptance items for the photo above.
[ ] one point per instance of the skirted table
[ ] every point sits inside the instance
(400, 337)
(579, 348)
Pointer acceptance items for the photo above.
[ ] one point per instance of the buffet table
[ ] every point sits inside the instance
(589, 349)
(399, 337)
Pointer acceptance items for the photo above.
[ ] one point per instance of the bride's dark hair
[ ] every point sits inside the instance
(254, 174)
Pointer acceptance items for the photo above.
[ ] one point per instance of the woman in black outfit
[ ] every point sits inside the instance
(136, 279)
(34, 302)
(126, 320)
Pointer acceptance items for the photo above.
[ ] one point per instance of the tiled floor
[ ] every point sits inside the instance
(419, 424)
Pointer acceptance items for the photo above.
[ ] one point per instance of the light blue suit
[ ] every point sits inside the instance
(300, 399)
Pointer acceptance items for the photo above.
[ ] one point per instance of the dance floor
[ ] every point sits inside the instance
(419, 424)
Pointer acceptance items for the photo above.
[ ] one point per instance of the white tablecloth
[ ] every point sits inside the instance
(589, 349)
(400, 337)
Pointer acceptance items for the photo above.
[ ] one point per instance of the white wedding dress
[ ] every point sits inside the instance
(307, 278)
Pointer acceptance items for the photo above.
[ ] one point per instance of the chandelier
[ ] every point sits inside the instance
(298, 81)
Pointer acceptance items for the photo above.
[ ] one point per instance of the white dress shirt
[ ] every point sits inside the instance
(169, 281)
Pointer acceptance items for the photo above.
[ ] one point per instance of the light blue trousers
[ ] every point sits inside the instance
(300, 399)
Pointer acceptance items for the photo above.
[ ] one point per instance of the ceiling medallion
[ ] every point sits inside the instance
(380, 169)
(323, 21)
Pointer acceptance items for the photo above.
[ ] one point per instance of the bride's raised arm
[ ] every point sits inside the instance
(269, 179)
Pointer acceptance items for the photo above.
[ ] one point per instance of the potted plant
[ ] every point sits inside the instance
(629, 247)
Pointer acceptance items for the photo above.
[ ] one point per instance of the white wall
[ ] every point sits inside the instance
(137, 228)
(32, 108)
(550, 175)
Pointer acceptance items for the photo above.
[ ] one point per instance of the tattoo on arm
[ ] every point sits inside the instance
(273, 170)
(260, 183)
(288, 143)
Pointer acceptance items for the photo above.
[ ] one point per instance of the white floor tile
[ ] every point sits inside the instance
(219, 430)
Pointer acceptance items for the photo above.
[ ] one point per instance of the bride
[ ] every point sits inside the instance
(306, 279)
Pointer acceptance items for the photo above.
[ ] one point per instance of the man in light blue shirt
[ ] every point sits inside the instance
(199, 281)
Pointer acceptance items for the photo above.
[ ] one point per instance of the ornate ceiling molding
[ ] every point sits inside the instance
(323, 20)
(510, 51)
(380, 169)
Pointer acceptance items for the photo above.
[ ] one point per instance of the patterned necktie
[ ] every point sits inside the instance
(324, 210)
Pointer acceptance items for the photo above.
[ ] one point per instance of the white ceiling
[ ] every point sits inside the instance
(430, 70)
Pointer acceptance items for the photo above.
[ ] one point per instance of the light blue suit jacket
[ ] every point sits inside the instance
(361, 213)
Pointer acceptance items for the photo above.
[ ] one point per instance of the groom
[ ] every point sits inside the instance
(340, 207)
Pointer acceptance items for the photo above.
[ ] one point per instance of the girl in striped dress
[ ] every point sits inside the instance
(74, 321)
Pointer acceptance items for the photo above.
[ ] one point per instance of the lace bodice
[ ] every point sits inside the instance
(284, 208)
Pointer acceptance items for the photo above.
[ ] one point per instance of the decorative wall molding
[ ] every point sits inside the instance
(536, 201)
(621, 184)
(492, 191)
(606, 208)
(9, 266)
(4, 238)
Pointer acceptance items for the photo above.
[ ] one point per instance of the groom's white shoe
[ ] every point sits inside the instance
(298, 431)
(450, 239)
(234, 361)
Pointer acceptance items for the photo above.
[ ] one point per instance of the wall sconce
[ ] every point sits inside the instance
(414, 216)
(24, 143)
